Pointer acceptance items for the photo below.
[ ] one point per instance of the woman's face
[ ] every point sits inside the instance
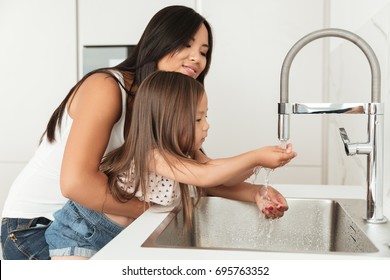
(201, 124)
(190, 60)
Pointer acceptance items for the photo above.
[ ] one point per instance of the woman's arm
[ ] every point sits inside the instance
(95, 109)
(216, 172)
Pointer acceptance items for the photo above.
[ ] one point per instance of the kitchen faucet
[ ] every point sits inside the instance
(373, 148)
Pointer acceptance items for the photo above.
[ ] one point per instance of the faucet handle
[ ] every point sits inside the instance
(350, 149)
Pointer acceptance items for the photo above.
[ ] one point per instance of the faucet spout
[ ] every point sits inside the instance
(332, 32)
(373, 147)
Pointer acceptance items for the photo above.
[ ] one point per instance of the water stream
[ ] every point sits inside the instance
(267, 224)
(283, 144)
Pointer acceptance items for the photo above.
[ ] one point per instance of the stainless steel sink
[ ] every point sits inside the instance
(310, 225)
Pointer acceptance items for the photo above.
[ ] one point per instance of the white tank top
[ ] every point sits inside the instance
(36, 191)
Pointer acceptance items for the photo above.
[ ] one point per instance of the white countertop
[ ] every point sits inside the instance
(127, 245)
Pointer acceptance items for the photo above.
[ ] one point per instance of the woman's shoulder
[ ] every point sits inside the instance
(99, 91)
(111, 77)
(102, 85)
(99, 79)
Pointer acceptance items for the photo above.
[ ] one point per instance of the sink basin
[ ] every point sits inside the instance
(310, 225)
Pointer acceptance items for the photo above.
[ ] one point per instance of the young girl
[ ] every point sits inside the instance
(158, 162)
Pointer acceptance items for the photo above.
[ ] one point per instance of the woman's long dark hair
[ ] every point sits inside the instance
(169, 30)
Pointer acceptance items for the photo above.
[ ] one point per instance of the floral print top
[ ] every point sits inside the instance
(160, 190)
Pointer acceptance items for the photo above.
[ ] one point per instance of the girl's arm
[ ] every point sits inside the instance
(216, 172)
(95, 108)
(201, 157)
(272, 204)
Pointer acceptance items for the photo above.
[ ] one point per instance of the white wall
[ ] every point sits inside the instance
(42, 39)
(252, 39)
(38, 67)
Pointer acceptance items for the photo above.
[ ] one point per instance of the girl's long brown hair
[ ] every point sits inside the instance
(163, 119)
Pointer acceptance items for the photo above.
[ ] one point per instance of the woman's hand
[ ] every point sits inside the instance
(271, 203)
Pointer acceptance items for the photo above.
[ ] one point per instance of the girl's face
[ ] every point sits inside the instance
(201, 124)
(190, 60)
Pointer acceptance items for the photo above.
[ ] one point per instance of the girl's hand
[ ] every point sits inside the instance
(275, 156)
(271, 203)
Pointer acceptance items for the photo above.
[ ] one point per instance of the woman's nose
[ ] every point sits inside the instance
(194, 56)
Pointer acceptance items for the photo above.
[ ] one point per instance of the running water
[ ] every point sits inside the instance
(266, 182)
(283, 144)
(256, 172)
(268, 224)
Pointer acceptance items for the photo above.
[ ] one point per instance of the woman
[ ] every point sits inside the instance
(92, 120)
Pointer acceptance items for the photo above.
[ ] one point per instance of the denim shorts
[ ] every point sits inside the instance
(24, 239)
(78, 231)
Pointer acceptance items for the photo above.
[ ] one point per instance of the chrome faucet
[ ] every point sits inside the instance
(373, 148)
